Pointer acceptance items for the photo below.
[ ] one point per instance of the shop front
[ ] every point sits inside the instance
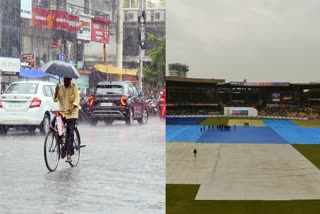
(9, 71)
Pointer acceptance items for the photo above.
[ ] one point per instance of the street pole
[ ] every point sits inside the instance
(141, 68)
(0, 81)
(120, 34)
(142, 20)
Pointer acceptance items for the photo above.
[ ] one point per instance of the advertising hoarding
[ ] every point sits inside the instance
(54, 19)
(29, 58)
(26, 9)
(9, 64)
(84, 32)
(100, 32)
(240, 112)
(276, 97)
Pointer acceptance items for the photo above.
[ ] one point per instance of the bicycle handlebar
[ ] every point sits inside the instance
(53, 111)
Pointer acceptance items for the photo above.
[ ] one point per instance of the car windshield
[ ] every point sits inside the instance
(109, 89)
(22, 88)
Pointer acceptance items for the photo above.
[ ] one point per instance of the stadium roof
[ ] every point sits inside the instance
(193, 80)
(199, 82)
(271, 84)
(313, 84)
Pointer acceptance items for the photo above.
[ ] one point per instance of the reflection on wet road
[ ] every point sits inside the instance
(121, 170)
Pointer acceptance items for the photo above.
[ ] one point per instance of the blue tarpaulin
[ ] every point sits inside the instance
(34, 73)
(182, 133)
(234, 135)
(276, 131)
(293, 133)
(242, 135)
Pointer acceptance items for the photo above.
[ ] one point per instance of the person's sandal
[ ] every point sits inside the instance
(68, 159)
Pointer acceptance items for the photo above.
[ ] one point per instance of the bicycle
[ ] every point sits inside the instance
(55, 144)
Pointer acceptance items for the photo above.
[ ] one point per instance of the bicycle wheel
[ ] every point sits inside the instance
(76, 146)
(51, 151)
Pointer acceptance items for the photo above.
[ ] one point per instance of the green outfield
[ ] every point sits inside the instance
(307, 123)
(224, 120)
(180, 198)
(240, 122)
(310, 151)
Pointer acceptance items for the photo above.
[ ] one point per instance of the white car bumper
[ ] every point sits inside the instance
(30, 117)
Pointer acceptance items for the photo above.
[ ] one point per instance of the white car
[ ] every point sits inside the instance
(27, 104)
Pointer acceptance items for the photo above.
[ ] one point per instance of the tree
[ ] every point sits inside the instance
(154, 73)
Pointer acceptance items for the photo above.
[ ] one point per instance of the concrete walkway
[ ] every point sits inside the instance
(243, 171)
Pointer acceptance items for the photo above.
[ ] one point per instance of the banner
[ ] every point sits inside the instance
(9, 64)
(240, 112)
(259, 83)
(100, 30)
(54, 19)
(61, 19)
(29, 58)
(276, 97)
(26, 9)
(73, 24)
(40, 18)
(84, 28)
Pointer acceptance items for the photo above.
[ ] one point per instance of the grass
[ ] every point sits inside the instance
(215, 121)
(240, 122)
(180, 199)
(224, 120)
(311, 152)
(307, 123)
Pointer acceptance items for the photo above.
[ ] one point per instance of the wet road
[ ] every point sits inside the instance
(121, 170)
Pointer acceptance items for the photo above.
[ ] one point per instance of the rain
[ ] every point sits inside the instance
(121, 166)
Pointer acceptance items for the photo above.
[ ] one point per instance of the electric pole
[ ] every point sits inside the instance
(120, 34)
(142, 21)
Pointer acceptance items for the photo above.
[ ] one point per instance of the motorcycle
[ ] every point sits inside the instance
(83, 110)
(152, 105)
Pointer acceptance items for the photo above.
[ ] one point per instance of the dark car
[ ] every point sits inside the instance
(117, 100)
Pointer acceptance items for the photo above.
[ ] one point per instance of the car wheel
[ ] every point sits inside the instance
(144, 118)
(45, 125)
(3, 130)
(93, 122)
(108, 121)
(129, 119)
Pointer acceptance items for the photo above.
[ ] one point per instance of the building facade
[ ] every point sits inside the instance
(34, 32)
(10, 23)
(178, 70)
(155, 14)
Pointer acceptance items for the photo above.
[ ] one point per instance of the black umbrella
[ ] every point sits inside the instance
(61, 69)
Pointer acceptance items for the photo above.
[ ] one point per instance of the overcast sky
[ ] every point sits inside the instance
(256, 40)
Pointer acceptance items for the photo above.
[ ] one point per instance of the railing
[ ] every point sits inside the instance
(152, 15)
(76, 10)
(71, 8)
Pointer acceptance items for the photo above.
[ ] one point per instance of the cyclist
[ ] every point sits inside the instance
(67, 94)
